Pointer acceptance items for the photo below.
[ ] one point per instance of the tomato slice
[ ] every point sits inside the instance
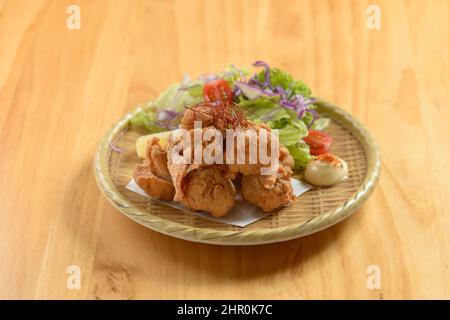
(218, 90)
(319, 142)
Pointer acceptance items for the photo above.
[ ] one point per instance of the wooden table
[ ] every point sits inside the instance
(61, 89)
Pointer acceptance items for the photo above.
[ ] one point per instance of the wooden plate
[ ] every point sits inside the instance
(315, 210)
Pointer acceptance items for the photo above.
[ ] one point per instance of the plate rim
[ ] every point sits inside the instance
(243, 237)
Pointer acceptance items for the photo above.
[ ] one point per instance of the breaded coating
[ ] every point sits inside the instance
(248, 168)
(268, 192)
(209, 190)
(206, 183)
(200, 112)
(152, 175)
(285, 157)
(201, 186)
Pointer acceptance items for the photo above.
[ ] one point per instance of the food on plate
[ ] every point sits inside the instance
(211, 187)
(199, 186)
(286, 158)
(217, 114)
(326, 170)
(270, 108)
(244, 152)
(270, 96)
(210, 190)
(269, 192)
(200, 112)
(153, 175)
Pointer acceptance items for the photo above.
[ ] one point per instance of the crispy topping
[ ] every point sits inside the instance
(225, 116)
(330, 158)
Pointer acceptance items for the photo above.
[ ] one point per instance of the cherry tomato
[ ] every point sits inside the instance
(218, 90)
(319, 142)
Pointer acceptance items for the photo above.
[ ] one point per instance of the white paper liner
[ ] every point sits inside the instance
(241, 214)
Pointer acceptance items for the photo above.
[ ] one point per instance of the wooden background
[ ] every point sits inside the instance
(61, 89)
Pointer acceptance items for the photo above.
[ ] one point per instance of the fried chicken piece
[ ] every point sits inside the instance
(153, 175)
(248, 168)
(208, 187)
(268, 192)
(285, 157)
(221, 117)
(200, 112)
(209, 190)
(201, 186)
(218, 114)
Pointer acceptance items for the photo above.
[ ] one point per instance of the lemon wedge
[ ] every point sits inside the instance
(141, 142)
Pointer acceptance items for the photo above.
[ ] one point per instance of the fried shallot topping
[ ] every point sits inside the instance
(330, 158)
(224, 116)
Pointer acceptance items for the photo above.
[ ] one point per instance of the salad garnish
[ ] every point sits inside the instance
(271, 96)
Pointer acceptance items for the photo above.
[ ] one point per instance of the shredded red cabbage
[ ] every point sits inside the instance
(254, 88)
(313, 112)
(166, 118)
(260, 63)
(114, 148)
(250, 90)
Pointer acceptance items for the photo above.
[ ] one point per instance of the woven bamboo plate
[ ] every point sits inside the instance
(315, 210)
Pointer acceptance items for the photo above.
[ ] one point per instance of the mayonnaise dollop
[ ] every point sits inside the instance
(326, 170)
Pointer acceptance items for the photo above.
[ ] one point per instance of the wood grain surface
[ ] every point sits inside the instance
(61, 89)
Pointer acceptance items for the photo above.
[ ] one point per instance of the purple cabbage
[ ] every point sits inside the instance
(260, 63)
(166, 118)
(249, 90)
(299, 103)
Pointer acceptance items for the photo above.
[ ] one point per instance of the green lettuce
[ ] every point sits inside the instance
(263, 108)
(232, 74)
(320, 124)
(300, 153)
(285, 80)
(147, 119)
(175, 99)
(290, 132)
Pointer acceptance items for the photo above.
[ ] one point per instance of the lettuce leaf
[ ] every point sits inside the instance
(285, 80)
(148, 120)
(290, 133)
(232, 73)
(175, 99)
(300, 153)
(263, 108)
(196, 91)
(320, 124)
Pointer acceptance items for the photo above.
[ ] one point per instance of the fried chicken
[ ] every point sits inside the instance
(285, 157)
(200, 112)
(268, 192)
(209, 190)
(217, 114)
(207, 185)
(200, 186)
(254, 131)
(273, 191)
(152, 175)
